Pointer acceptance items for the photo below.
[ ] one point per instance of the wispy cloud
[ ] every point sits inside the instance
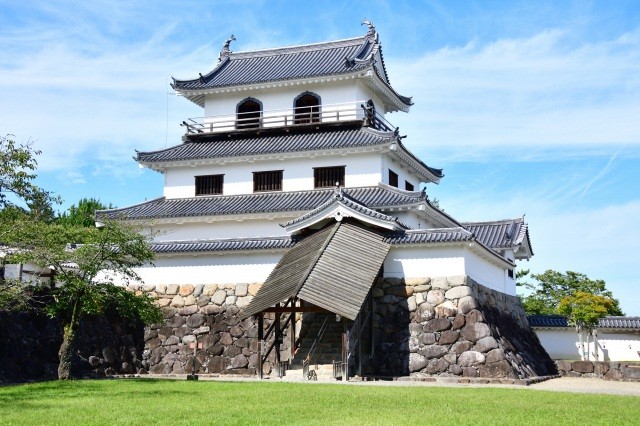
(540, 91)
(601, 173)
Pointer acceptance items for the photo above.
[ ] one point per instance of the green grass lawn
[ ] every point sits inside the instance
(147, 402)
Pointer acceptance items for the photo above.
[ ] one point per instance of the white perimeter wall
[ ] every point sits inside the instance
(562, 343)
(360, 170)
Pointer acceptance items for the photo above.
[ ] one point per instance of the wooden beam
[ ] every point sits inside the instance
(293, 309)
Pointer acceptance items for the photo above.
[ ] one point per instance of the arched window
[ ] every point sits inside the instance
(248, 114)
(306, 108)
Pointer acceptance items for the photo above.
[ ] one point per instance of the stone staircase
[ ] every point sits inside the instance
(328, 348)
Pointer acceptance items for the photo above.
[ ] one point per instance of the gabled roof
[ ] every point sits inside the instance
(374, 197)
(339, 207)
(333, 268)
(316, 60)
(350, 136)
(504, 234)
(558, 321)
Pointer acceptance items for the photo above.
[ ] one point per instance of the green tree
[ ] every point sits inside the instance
(85, 271)
(83, 214)
(18, 164)
(552, 286)
(88, 274)
(584, 310)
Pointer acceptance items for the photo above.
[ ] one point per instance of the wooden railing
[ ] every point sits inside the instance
(290, 117)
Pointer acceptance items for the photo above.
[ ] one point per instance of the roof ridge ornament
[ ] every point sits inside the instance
(372, 29)
(226, 49)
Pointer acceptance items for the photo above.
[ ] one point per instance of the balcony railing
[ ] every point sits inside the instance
(302, 116)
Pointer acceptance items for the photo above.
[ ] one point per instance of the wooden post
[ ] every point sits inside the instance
(260, 343)
(345, 351)
(292, 328)
(278, 337)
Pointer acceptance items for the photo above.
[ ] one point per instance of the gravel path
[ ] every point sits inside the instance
(584, 385)
(562, 384)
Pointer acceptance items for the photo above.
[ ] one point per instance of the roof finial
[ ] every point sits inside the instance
(369, 24)
(225, 48)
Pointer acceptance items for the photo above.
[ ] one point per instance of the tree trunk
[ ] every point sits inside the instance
(581, 341)
(66, 352)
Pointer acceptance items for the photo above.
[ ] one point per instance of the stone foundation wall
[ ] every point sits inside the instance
(440, 326)
(208, 313)
(29, 344)
(625, 371)
(453, 326)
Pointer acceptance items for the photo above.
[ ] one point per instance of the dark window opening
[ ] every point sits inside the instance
(408, 186)
(324, 177)
(510, 273)
(307, 109)
(267, 181)
(209, 185)
(393, 178)
(248, 116)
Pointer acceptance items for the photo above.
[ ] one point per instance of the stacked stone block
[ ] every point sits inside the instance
(453, 326)
(206, 316)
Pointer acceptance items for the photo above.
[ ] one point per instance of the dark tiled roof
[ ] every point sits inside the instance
(620, 322)
(271, 202)
(547, 321)
(291, 63)
(352, 136)
(340, 198)
(284, 63)
(440, 235)
(606, 322)
(501, 234)
(231, 244)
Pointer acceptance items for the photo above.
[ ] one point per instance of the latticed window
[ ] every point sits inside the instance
(324, 177)
(408, 186)
(209, 185)
(393, 178)
(267, 181)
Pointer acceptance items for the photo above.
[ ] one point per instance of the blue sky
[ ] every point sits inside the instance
(530, 107)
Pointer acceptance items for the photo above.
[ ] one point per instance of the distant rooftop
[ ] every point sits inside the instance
(554, 321)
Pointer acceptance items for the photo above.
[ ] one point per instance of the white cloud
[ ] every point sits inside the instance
(540, 91)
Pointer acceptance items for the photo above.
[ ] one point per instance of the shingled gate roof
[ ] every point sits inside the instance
(503, 234)
(333, 268)
(161, 208)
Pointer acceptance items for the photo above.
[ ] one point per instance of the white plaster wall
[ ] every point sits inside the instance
(360, 170)
(559, 344)
(401, 170)
(211, 269)
(220, 229)
(416, 262)
(281, 98)
(562, 343)
(408, 218)
(485, 272)
(413, 262)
